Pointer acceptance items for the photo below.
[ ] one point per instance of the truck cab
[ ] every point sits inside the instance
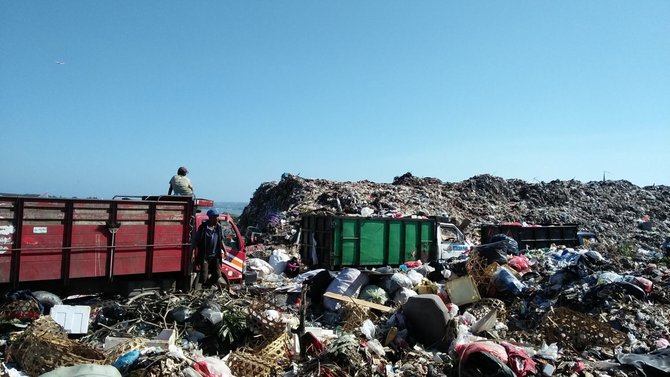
(451, 242)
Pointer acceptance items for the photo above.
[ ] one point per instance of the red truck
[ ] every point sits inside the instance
(93, 245)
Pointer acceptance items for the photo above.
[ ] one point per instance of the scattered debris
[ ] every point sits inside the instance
(493, 309)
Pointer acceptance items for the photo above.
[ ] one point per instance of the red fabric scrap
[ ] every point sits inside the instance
(465, 350)
(519, 361)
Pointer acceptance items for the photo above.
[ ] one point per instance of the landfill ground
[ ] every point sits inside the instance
(601, 309)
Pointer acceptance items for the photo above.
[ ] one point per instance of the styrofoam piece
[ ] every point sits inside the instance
(73, 318)
(462, 290)
(164, 339)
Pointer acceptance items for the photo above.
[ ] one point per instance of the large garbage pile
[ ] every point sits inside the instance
(492, 311)
(622, 214)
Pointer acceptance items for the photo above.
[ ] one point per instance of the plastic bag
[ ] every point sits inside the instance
(376, 347)
(520, 263)
(415, 277)
(402, 295)
(505, 281)
(217, 367)
(395, 282)
(126, 361)
(348, 282)
(278, 261)
(368, 329)
(373, 293)
(492, 252)
(367, 212)
(262, 267)
(83, 370)
(548, 352)
(507, 243)
(608, 278)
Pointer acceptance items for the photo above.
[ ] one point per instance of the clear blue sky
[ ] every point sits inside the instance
(241, 92)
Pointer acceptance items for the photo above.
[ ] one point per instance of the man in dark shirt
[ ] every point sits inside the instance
(209, 243)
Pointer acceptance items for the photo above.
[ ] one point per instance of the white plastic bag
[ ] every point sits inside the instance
(278, 260)
(395, 282)
(368, 329)
(217, 367)
(415, 277)
(402, 295)
(376, 347)
(548, 352)
(262, 268)
(367, 212)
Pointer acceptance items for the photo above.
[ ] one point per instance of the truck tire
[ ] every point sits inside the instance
(47, 300)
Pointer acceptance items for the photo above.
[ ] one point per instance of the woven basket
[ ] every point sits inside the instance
(20, 309)
(44, 346)
(260, 324)
(247, 364)
(482, 273)
(277, 352)
(354, 315)
(480, 308)
(132, 344)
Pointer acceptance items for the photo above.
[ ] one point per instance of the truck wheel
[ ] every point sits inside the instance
(47, 300)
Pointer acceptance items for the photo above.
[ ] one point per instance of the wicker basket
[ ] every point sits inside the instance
(354, 315)
(44, 346)
(132, 344)
(263, 361)
(260, 324)
(247, 364)
(20, 309)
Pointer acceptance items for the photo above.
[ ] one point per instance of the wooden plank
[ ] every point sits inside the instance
(356, 301)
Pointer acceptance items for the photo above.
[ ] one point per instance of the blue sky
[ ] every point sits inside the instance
(241, 92)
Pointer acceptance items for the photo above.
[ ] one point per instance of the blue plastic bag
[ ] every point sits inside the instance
(505, 281)
(126, 361)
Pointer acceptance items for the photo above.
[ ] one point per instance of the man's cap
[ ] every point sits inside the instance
(212, 212)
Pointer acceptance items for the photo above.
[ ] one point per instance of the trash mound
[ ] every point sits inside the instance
(554, 311)
(625, 216)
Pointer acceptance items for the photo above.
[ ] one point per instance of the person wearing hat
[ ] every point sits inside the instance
(209, 254)
(180, 184)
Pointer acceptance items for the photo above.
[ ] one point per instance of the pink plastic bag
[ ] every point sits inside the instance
(520, 263)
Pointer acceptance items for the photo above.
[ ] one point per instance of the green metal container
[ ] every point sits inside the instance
(333, 242)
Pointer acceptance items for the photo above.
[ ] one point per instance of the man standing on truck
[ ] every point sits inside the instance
(209, 242)
(180, 184)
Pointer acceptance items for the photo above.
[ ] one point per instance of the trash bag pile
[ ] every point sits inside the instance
(625, 216)
(492, 311)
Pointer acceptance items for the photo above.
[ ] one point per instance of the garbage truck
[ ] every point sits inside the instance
(539, 236)
(96, 245)
(333, 242)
